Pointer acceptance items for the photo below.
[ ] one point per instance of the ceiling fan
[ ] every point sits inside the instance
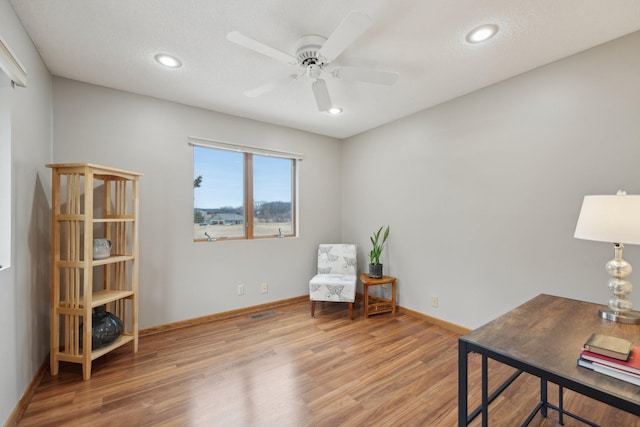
(314, 53)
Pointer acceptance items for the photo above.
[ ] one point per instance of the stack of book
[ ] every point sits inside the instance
(612, 356)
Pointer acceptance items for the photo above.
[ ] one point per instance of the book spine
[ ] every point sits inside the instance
(609, 371)
(606, 352)
(617, 369)
(610, 363)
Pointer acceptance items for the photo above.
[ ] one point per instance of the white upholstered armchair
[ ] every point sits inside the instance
(336, 278)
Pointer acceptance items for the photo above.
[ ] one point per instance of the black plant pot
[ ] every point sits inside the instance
(375, 271)
(105, 328)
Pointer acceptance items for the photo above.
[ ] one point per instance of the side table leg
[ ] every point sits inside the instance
(393, 297)
(366, 300)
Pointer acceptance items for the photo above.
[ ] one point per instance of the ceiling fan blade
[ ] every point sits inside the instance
(366, 75)
(321, 95)
(351, 27)
(249, 43)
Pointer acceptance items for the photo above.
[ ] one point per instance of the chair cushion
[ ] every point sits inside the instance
(337, 258)
(333, 287)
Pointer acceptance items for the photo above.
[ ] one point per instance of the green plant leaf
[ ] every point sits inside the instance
(376, 251)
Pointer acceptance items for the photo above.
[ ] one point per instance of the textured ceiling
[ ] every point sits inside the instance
(112, 44)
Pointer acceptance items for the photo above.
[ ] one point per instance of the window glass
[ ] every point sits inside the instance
(218, 194)
(272, 196)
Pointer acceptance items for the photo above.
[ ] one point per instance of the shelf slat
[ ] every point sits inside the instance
(63, 310)
(102, 171)
(94, 262)
(71, 217)
(98, 298)
(106, 296)
(80, 217)
(112, 259)
(64, 357)
(115, 218)
(119, 342)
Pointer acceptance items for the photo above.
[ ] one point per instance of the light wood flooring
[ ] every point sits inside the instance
(288, 369)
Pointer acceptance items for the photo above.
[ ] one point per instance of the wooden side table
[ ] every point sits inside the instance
(382, 305)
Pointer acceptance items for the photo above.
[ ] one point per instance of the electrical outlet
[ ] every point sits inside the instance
(264, 288)
(434, 301)
(240, 289)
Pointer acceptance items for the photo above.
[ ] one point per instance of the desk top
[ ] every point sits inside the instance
(547, 334)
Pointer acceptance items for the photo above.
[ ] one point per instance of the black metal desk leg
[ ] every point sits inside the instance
(560, 405)
(485, 392)
(462, 384)
(543, 397)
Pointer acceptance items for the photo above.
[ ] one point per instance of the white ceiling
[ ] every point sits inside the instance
(112, 43)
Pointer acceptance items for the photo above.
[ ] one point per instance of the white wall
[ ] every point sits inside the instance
(24, 336)
(180, 279)
(483, 193)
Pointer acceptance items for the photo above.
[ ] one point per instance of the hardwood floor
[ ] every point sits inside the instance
(284, 368)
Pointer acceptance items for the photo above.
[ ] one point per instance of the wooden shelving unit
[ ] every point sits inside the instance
(90, 201)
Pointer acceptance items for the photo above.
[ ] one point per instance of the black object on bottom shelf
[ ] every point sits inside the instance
(105, 328)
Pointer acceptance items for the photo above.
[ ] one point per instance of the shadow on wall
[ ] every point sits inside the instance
(34, 326)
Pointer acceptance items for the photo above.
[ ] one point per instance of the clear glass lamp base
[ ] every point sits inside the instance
(631, 317)
(619, 309)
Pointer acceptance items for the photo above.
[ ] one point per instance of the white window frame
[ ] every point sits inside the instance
(12, 73)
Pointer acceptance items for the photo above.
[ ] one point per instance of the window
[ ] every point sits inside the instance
(242, 194)
(11, 73)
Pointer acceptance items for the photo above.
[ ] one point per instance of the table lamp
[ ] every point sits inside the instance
(614, 219)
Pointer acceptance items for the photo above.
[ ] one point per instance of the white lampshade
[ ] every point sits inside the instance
(614, 219)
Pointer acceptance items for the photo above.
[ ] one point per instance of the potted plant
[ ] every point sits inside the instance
(375, 268)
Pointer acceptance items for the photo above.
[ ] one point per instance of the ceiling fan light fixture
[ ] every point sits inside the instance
(335, 111)
(168, 60)
(482, 33)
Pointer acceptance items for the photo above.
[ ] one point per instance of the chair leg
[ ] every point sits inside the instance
(313, 308)
(351, 310)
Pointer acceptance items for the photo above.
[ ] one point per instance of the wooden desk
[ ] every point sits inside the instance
(382, 305)
(543, 337)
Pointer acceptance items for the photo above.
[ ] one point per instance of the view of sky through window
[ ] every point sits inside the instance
(222, 178)
(271, 179)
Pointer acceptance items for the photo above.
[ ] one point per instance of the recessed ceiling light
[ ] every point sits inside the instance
(168, 60)
(482, 33)
(335, 111)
